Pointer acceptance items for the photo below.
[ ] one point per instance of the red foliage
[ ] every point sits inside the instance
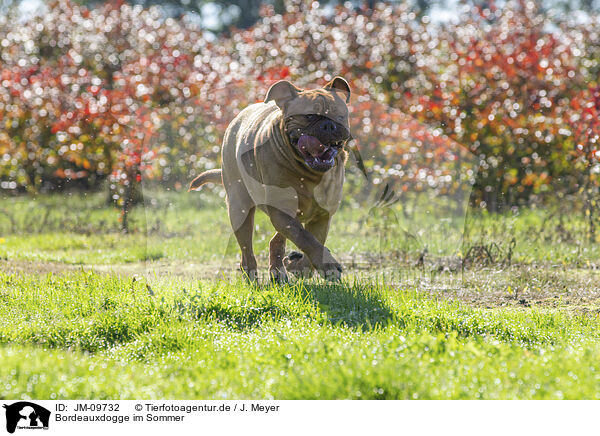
(119, 91)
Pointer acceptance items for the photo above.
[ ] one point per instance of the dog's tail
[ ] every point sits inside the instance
(212, 176)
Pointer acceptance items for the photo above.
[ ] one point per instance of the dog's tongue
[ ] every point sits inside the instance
(311, 145)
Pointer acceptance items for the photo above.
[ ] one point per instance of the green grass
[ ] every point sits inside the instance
(88, 335)
(82, 229)
(88, 312)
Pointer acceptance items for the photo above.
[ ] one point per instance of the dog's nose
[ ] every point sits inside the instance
(328, 126)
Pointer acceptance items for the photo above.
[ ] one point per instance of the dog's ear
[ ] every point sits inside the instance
(339, 84)
(282, 92)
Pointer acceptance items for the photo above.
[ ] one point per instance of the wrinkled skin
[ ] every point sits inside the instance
(286, 157)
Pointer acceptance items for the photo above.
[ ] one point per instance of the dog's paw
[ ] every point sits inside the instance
(331, 272)
(298, 264)
(294, 256)
(250, 275)
(278, 275)
(329, 268)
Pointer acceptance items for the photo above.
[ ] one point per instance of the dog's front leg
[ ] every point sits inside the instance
(317, 253)
(297, 263)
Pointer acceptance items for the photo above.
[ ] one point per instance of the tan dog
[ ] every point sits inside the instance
(286, 157)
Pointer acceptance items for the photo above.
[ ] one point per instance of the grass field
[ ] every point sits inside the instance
(88, 312)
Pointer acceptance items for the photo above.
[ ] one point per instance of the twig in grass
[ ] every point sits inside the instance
(13, 225)
(489, 254)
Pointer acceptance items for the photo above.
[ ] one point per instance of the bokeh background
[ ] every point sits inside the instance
(470, 248)
(488, 104)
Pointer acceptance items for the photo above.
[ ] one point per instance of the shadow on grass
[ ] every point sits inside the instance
(353, 305)
(356, 305)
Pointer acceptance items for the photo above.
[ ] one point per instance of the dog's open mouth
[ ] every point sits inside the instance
(318, 156)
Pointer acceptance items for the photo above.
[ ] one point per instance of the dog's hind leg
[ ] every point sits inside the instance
(276, 254)
(241, 216)
(244, 234)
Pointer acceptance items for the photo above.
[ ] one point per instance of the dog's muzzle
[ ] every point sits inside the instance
(318, 156)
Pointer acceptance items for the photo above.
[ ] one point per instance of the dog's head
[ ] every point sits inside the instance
(316, 120)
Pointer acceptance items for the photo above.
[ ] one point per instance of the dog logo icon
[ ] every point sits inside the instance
(26, 415)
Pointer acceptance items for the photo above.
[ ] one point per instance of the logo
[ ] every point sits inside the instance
(26, 415)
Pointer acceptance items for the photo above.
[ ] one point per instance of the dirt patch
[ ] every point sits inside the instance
(146, 269)
(521, 286)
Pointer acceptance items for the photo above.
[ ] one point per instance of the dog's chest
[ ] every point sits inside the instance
(325, 195)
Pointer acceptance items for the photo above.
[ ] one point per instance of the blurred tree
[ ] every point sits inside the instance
(5, 5)
(575, 5)
(218, 15)
(123, 93)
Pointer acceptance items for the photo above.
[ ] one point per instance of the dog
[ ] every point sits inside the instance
(286, 156)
